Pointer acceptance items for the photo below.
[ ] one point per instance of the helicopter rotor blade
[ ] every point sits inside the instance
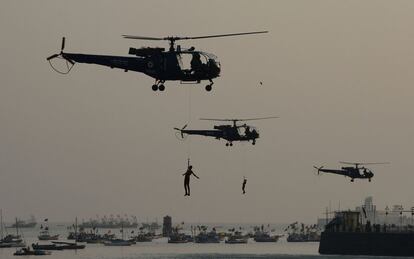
(255, 119)
(63, 44)
(222, 35)
(350, 163)
(52, 57)
(141, 37)
(250, 119)
(174, 38)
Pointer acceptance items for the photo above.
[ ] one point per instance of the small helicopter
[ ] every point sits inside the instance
(352, 172)
(176, 64)
(230, 133)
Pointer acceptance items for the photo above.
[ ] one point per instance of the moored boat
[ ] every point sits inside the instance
(237, 238)
(207, 237)
(27, 251)
(118, 242)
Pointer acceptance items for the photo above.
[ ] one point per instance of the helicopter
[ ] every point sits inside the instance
(230, 133)
(175, 64)
(352, 172)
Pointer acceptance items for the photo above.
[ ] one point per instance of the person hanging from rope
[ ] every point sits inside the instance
(244, 185)
(187, 175)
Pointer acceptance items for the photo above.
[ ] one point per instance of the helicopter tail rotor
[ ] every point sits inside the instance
(180, 132)
(318, 168)
(61, 55)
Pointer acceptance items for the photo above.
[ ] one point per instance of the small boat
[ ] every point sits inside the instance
(10, 240)
(147, 237)
(5, 245)
(45, 236)
(177, 238)
(265, 237)
(205, 238)
(68, 245)
(38, 246)
(236, 238)
(118, 242)
(27, 251)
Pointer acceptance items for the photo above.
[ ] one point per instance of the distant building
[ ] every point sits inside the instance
(393, 216)
(368, 211)
(167, 226)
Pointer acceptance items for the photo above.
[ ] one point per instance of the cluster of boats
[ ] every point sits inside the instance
(10, 240)
(299, 232)
(118, 222)
(231, 237)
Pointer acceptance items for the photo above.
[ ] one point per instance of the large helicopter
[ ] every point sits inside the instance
(176, 64)
(356, 172)
(230, 133)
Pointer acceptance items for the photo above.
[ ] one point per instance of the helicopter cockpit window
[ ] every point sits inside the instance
(246, 131)
(191, 61)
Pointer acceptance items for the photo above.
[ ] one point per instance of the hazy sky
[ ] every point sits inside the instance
(100, 141)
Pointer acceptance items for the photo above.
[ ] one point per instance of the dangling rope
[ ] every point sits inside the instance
(188, 120)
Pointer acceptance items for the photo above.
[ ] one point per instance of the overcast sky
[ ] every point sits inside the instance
(100, 141)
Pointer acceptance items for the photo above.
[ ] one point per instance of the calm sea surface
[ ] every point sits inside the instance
(159, 248)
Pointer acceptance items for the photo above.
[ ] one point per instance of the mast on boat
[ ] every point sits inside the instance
(1, 225)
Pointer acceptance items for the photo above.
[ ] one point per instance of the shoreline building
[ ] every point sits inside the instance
(167, 226)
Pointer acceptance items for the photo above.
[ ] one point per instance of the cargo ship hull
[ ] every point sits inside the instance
(363, 243)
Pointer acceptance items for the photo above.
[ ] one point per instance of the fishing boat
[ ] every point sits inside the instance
(205, 237)
(38, 246)
(299, 232)
(44, 234)
(27, 251)
(236, 238)
(118, 242)
(10, 240)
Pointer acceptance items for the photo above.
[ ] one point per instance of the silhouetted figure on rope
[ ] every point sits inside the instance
(187, 179)
(244, 185)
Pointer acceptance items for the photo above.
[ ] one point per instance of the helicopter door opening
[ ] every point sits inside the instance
(247, 131)
(191, 62)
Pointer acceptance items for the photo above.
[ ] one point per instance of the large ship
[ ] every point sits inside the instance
(347, 234)
(30, 223)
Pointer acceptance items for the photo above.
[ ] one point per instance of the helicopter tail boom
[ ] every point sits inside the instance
(127, 63)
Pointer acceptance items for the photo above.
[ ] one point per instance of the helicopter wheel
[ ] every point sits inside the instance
(231, 144)
(154, 87)
(352, 180)
(369, 180)
(209, 88)
(227, 144)
(161, 87)
(254, 143)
